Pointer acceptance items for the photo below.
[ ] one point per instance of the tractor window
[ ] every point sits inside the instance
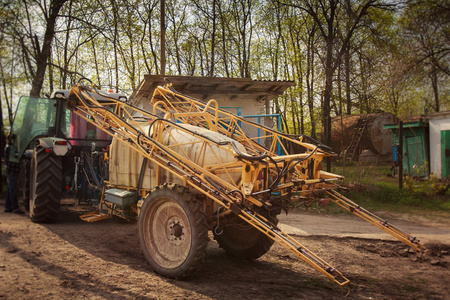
(66, 122)
(80, 132)
(34, 117)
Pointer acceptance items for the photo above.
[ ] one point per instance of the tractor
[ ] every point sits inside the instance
(46, 138)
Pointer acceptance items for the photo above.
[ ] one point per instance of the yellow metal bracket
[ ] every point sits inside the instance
(373, 219)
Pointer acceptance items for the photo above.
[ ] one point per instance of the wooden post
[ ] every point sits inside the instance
(400, 154)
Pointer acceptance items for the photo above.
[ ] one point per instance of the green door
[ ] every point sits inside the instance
(414, 159)
(445, 148)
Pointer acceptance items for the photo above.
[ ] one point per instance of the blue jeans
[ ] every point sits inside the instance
(11, 192)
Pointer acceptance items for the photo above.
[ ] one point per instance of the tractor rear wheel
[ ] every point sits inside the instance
(45, 186)
(173, 232)
(240, 239)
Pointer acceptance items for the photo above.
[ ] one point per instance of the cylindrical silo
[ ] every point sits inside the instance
(375, 137)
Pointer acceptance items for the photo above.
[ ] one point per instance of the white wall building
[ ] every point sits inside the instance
(241, 96)
(439, 126)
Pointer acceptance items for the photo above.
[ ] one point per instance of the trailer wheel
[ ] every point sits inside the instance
(173, 232)
(240, 239)
(45, 186)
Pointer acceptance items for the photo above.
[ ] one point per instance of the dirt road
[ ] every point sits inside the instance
(71, 259)
(314, 224)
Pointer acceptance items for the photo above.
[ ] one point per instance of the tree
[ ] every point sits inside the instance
(427, 32)
(342, 54)
(207, 19)
(146, 15)
(327, 14)
(40, 53)
(242, 20)
(10, 72)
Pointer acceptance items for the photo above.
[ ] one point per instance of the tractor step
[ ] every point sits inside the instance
(94, 216)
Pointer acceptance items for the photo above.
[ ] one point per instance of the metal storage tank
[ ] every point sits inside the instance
(374, 138)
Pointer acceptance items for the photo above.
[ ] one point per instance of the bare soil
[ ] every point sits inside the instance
(71, 259)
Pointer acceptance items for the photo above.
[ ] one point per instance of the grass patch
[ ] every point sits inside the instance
(362, 174)
(374, 188)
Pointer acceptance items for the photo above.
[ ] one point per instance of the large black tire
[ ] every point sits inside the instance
(45, 186)
(240, 239)
(173, 232)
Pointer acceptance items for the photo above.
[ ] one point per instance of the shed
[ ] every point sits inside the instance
(242, 96)
(415, 146)
(439, 125)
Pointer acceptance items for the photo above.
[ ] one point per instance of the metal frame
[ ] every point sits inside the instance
(263, 172)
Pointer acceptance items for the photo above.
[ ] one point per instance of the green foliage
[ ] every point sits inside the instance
(430, 187)
(375, 189)
(360, 174)
(395, 63)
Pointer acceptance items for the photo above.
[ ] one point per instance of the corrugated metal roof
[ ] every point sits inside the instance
(204, 87)
(439, 115)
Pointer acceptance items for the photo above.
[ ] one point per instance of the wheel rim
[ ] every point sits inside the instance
(167, 233)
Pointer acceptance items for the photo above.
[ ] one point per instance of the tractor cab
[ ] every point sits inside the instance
(38, 118)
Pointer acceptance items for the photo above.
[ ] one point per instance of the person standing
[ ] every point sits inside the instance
(12, 172)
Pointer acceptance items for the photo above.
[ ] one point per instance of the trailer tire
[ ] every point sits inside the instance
(172, 230)
(45, 186)
(240, 239)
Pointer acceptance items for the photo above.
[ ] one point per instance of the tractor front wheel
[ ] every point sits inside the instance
(45, 186)
(173, 232)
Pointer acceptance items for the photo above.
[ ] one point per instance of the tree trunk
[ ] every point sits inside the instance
(347, 81)
(434, 84)
(326, 118)
(44, 53)
(66, 49)
(163, 37)
(310, 81)
(213, 39)
(2, 143)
